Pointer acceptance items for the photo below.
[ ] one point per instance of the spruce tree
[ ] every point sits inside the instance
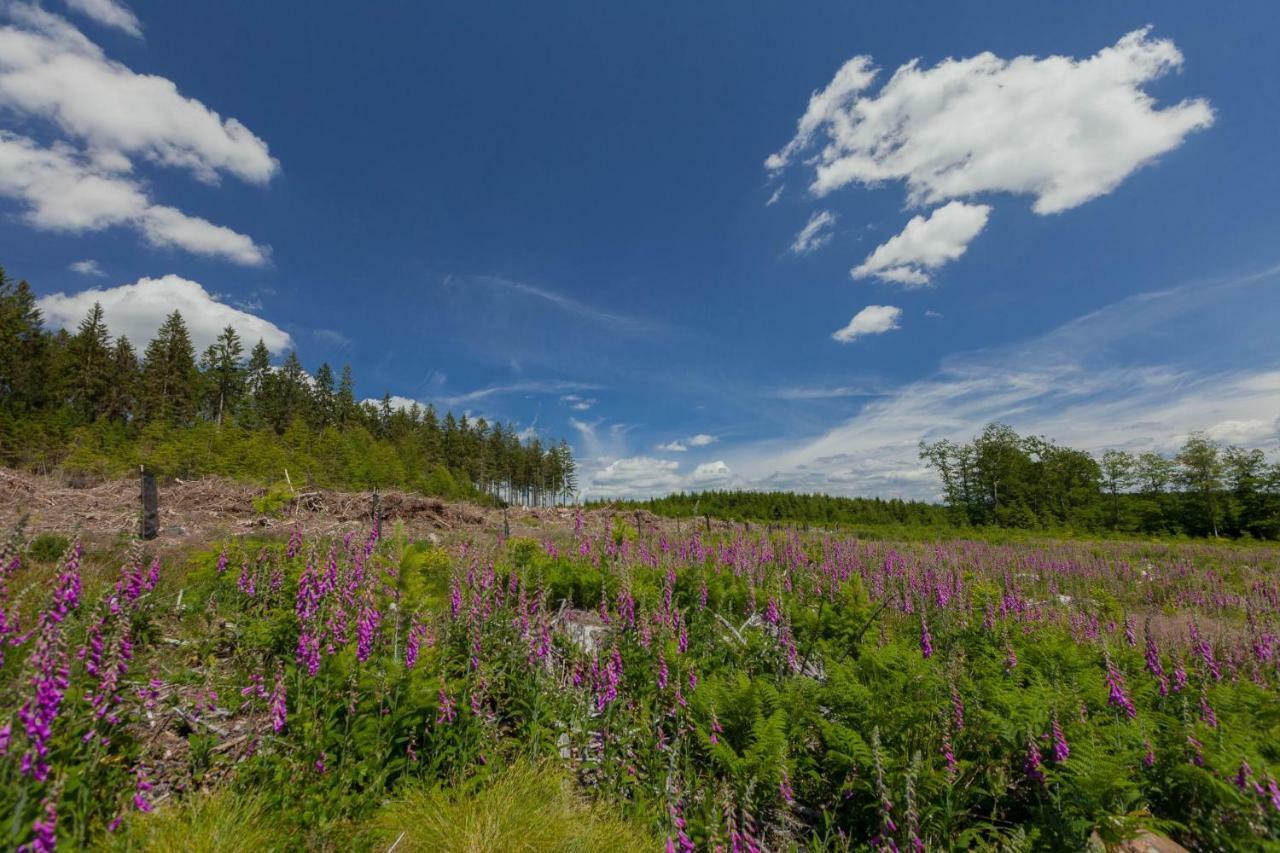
(325, 410)
(24, 347)
(89, 363)
(170, 381)
(225, 371)
(122, 396)
(346, 401)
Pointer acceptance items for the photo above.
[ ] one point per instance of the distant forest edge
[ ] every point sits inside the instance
(1004, 480)
(85, 406)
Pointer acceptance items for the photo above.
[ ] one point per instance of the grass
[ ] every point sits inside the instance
(223, 821)
(526, 808)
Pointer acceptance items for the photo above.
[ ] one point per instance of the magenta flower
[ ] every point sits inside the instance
(279, 710)
(1060, 749)
(1032, 767)
(1118, 695)
(44, 831)
(446, 713)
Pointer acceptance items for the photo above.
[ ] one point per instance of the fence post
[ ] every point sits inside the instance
(376, 513)
(150, 504)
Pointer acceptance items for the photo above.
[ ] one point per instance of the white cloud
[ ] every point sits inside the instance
(109, 13)
(138, 309)
(1060, 129)
(872, 320)
(333, 336)
(87, 267)
(49, 69)
(65, 191)
(635, 476)
(777, 194)
(398, 403)
(578, 403)
(925, 244)
(167, 226)
(815, 234)
(711, 474)
(680, 445)
(826, 106)
(647, 476)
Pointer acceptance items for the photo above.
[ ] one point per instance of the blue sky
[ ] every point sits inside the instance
(703, 242)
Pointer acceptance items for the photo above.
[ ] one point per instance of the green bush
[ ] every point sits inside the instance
(47, 548)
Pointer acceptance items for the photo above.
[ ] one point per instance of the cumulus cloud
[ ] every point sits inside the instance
(925, 244)
(872, 320)
(87, 267)
(109, 13)
(63, 190)
(1060, 129)
(646, 476)
(680, 445)
(711, 474)
(635, 476)
(815, 234)
(49, 69)
(138, 309)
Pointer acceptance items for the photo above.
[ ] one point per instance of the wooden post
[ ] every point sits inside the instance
(150, 527)
(377, 513)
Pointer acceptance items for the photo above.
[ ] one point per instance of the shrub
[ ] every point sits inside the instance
(47, 547)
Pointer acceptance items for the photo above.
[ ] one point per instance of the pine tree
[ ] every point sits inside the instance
(89, 355)
(292, 394)
(122, 397)
(225, 371)
(346, 402)
(325, 411)
(170, 381)
(24, 350)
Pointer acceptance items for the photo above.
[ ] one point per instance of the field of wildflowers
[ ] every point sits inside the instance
(745, 692)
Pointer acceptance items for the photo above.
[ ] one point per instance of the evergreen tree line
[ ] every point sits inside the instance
(1205, 489)
(84, 403)
(794, 508)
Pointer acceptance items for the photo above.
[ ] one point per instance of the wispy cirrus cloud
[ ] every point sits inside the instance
(548, 386)
(815, 234)
(620, 323)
